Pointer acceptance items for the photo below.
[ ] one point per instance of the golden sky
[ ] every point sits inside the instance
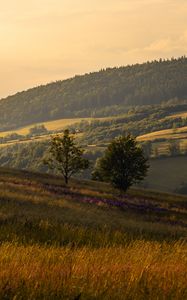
(46, 40)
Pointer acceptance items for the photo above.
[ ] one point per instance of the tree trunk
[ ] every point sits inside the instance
(66, 180)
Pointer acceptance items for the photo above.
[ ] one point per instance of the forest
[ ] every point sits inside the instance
(107, 92)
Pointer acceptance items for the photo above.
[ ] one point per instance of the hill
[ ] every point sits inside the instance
(102, 93)
(87, 241)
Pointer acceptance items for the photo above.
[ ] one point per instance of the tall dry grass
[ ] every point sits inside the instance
(140, 270)
(88, 242)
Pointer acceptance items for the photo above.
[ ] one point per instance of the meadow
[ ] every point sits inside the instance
(178, 133)
(55, 125)
(50, 126)
(167, 173)
(182, 115)
(88, 241)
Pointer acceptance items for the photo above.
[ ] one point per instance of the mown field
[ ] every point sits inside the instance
(51, 125)
(178, 133)
(88, 241)
(55, 125)
(179, 115)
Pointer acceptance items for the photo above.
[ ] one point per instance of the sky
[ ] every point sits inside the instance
(43, 41)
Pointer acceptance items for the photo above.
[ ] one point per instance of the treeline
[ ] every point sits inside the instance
(31, 156)
(98, 94)
(172, 148)
(28, 156)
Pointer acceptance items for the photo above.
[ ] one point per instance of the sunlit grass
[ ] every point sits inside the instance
(140, 270)
(51, 125)
(182, 115)
(75, 243)
(166, 133)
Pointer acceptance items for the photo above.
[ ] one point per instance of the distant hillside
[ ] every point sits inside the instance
(100, 93)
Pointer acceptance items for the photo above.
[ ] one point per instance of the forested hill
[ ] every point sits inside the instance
(140, 84)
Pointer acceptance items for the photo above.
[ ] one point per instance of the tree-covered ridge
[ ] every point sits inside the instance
(88, 95)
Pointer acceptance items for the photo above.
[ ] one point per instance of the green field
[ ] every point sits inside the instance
(167, 174)
(87, 241)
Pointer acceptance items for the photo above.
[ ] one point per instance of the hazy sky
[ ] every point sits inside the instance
(46, 40)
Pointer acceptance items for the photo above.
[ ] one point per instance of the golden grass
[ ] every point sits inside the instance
(60, 124)
(33, 139)
(140, 270)
(182, 115)
(51, 125)
(179, 133)
(60, 243)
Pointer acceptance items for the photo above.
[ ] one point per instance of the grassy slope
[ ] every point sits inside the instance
(179, 133)
(167, 174)
(182, 115)
(51, 125)
(56, 125)
(58, 242)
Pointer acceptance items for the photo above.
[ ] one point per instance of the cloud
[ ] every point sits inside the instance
(166, 45)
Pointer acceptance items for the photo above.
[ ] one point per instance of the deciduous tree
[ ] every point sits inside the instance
(66, 156)
(123, 163)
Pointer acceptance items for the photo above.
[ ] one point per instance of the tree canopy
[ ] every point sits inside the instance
(123, 163)
(66, 157)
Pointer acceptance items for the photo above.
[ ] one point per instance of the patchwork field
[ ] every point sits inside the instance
(51, 125)
(182, 115)
(178, 133)
(87, 241)
(162, 148)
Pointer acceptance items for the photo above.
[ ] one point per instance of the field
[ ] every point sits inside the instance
(179, 133)
(55, 125)
(167, 174)
(162, 147)
(88, 241)
(51, 125)
(182, 115)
